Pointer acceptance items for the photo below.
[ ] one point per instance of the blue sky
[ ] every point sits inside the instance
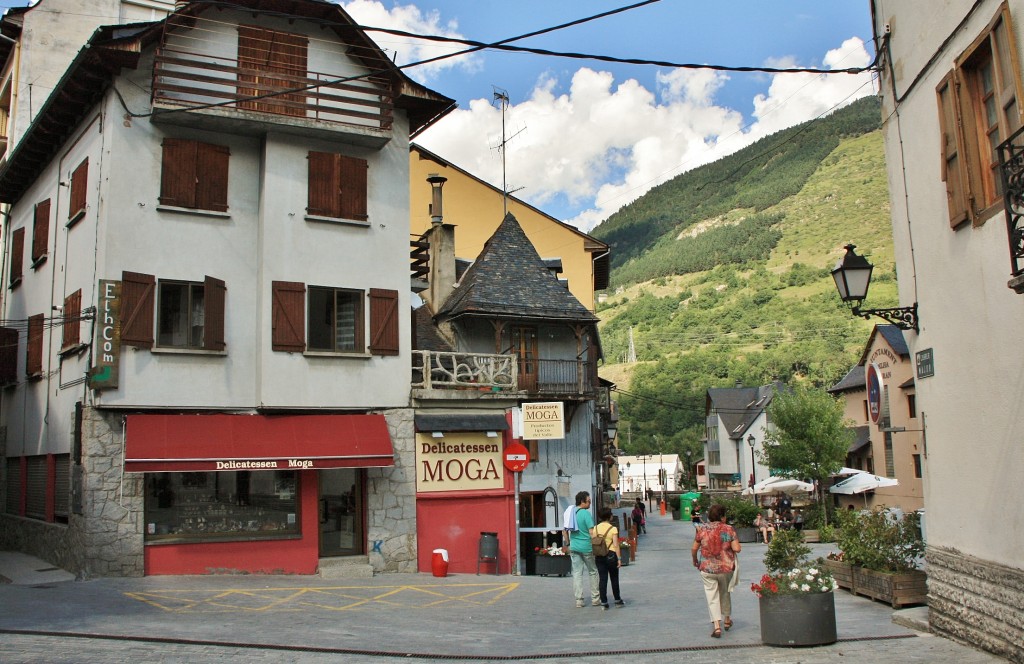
(592, 136)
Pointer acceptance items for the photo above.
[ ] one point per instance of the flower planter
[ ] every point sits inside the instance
(552, 565)
(898, 589)
(805, 619)
(746, 534)
(811, 536)
(625, 557)
(841, 572)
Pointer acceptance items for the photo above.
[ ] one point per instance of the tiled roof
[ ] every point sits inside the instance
(853, 380)
(509, 278)
(428, 337)
(738, 407)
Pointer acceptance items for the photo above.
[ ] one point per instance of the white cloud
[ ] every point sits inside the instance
(410, 18)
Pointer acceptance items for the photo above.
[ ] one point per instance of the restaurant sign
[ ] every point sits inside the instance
(543, 421)
(105, 369)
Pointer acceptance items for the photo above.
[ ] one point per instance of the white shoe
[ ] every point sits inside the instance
(579, 604)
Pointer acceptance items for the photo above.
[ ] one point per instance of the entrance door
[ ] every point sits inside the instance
(342, 531)
(524, 344)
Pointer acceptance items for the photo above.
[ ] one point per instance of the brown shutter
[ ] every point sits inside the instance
(353, 188)
(253, 51)
(17, 254)
(138, 294)
(212, 177)
(288, 331)
(289, 54)
(213, 318)
(383, 322)
(263, 52)
(178, 173)
(79, 182)
(34, 350)
(953, 165)
(72, 320)
(41, 230)
(324, 175)
(8, 355)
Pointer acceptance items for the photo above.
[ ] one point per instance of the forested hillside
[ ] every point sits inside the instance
(731, 282)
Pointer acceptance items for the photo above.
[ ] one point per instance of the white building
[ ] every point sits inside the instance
(639, 473)
(737, 420)
(206, 274)
(951, 95)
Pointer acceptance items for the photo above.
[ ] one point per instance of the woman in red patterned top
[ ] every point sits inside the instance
(717, 545)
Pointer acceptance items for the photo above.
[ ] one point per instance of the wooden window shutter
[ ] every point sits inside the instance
(253, 53)
(34, 350)
(383, 321)
(79, 182)
(353, 188)
(953, 164)
(8, 355)
(1005, 55)
(289, 53)
(72, 320)
(324, 174)
(212, 177)
(138, 295)
(41, 230)
(288, 324)
(178, 173)
(213, 318)
(17, 254)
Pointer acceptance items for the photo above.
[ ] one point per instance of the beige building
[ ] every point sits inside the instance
(893, 445)
(477, 209)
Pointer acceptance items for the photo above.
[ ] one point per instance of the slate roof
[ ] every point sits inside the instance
(892, 335)
(428, 337)
(861, 437)
(509, 278)
(853, 380)
(738, 407)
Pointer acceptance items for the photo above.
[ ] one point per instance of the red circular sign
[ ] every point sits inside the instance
(517, 457)
(873, 379)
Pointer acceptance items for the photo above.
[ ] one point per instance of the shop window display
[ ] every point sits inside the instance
(221, 505)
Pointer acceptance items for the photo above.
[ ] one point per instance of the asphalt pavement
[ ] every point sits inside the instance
(47, 616)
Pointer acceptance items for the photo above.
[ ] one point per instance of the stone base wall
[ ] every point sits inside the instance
(391, 501)
(977, 602)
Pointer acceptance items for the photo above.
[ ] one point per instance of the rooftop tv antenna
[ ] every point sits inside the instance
(502, 97)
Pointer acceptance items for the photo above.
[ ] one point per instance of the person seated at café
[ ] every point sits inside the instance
(785, 520)
(764, 526)
(798, 520)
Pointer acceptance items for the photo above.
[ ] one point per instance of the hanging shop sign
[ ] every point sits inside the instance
(107, 361)
(543, 421)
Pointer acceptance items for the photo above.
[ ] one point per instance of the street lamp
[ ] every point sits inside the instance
(689, 453)
(753, 465)
(852, 275)
(643, 458)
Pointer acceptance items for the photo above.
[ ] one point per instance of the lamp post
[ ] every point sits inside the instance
(753, 465)
(643, 459)
(689, 453)
(852, 275)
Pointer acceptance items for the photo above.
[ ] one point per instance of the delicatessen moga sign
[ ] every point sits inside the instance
(458, 462)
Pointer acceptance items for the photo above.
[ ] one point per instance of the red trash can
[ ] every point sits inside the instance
(439, 564)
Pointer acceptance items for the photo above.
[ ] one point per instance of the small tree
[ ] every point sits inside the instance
(810, 438)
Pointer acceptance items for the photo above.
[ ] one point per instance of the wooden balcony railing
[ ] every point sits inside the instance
(189, 80)
(499, 373)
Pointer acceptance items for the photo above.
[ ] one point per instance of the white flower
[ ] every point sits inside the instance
(809, 577)
(813, 571)
(805, 588)
(793, 586)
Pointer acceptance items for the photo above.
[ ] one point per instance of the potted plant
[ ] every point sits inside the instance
(551, 561)
(740, 514)
(626, 550)
(883, 548)
(795, 598)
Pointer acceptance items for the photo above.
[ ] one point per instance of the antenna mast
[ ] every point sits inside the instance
(502, 97)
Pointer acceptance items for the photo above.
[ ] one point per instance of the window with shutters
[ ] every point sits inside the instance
(35, 487)
(79, 184)
(194, 175)
(12, 501)
(187, 315)
(337, 186)
(40, 232)
(270, 63)
(72, 321)
(979, 108)
(34, 349)
(8, 356)
(333, 320)
(17, 256)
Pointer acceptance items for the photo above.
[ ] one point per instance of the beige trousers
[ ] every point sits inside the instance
(718, 593)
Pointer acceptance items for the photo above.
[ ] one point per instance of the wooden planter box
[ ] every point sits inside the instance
(810, 536)
(897, 589)
(552, 565)
(841, 572)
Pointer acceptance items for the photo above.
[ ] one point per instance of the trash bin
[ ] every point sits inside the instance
(439, 564)
(488, 551)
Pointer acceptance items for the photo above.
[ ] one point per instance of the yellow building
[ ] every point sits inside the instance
(476, 208)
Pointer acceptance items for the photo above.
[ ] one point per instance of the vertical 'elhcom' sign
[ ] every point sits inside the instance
(108, 344)
(543, 421)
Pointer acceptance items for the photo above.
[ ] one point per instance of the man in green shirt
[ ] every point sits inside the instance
(581, 552)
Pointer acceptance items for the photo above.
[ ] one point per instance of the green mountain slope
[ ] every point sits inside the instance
(745, 295)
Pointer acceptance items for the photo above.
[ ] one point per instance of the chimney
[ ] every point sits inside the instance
(441, 237)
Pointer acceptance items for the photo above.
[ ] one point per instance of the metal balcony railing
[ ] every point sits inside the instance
(188, 79)
(1011, 166)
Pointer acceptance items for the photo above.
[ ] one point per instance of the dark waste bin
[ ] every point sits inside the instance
(488, 551)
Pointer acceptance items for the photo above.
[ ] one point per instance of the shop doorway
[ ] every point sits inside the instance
(342, 528)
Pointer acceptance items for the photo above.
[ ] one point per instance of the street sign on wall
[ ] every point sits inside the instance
(873, 379)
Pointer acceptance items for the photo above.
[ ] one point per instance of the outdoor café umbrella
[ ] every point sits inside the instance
(781, 484)
(861, 482)
(847, 471)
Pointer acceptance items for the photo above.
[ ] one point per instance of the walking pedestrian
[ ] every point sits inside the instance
(639, 518)
(608, 565)
(717, 547)
(581, 552)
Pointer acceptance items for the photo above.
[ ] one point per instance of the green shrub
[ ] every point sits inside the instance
(739, 512)
(786, 551)
(880, 541)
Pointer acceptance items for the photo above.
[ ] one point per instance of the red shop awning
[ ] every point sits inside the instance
(190, 443)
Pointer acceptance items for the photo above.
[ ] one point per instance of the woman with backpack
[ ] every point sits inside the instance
(639, 517)
(607, 554)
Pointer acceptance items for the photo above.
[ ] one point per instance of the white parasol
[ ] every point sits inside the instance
(780, 484)
(861, 482)
(847, 471)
